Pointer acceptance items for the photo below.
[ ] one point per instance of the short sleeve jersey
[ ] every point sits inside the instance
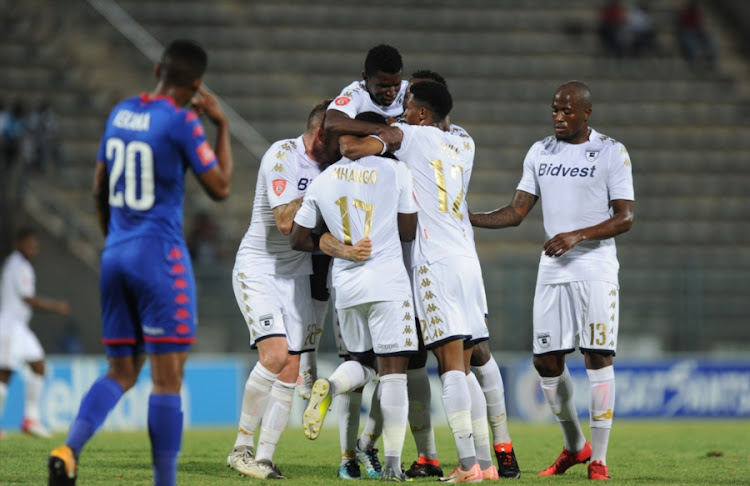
(441, 163)
(285, 175)
(576, 183)
(18, 283)
(358, 199)
(355, 99)
(148, 144)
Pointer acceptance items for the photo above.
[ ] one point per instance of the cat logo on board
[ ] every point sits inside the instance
(592, 155)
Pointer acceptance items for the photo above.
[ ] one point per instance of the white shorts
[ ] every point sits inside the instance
(589, 309)
(276, 306)
(449, 295)
(340, 346)
(18, 346)
(386, 327)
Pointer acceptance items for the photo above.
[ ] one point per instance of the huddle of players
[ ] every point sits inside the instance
(402, 245)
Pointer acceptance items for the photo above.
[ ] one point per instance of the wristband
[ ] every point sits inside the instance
(385, 146)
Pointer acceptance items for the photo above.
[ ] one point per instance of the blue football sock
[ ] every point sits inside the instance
(95, 406)
(165, 431)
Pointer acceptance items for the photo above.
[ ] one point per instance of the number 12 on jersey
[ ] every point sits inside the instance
(343, 204)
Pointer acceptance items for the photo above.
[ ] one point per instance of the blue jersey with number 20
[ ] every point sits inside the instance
(148, 144)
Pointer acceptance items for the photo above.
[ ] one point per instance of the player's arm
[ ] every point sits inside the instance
(620, 222)
(302, 238)
(284, 216)
(358, 252)
(101, 196)
(217, 180)
(338, 123)
(407, 226)
(48, 305)
(353, 147)
(511, 215)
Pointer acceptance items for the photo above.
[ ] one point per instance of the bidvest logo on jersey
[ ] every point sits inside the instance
(560, 170)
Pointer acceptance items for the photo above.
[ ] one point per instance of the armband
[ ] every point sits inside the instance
(385, 145)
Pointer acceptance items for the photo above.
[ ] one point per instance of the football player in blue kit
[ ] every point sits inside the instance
(146, 284)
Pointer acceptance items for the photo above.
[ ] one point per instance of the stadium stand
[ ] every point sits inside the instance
(684, 261)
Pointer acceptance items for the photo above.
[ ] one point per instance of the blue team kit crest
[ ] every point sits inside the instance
(592, 155)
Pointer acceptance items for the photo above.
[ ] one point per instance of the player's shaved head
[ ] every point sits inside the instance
(433, 96)
(579, 89)
(317, 115)
(184, 61)
(383, 58)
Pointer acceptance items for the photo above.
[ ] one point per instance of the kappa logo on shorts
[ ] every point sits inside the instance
(266, 321)
(278, 186)
(342, 100)
(544, 339)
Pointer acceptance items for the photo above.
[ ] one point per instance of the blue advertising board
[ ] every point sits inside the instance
(211, 394)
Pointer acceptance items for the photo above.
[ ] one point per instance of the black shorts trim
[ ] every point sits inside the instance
(398, 353)
(255, 345)
(442, 342)
(477, 341)
(560, 351)
(604, 352)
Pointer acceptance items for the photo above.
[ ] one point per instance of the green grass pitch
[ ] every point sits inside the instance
(683, 452)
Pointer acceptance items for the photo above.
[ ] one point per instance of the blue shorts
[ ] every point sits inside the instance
(147, 297)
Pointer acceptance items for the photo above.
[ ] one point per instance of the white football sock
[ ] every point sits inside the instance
(254, 401)
(374, 425)
(559, 393)
(395, 405)
(479, 427)
(349, 376)
(420, 420)
(275, 419)
(349, 405)
(491, 381)
(458, 411)
(33, 392)
(602, 406)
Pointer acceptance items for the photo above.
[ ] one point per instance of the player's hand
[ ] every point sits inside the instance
(207, 104)
(392, 137)
(561, 243)
(361, 250)
(62, 308)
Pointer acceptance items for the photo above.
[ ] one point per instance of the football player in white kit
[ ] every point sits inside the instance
(368, 198)
(445, 268)
(483, 366)
(586, 184)
(18, 343)
(272, 286)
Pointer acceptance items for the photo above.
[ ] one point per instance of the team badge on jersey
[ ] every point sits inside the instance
(544, 340)
(205, 153)
(266, 321)
(592, 155)
(278, 186)
(342, 100)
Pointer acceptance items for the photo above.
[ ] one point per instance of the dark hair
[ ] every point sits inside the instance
(24, 233)
(383, 58)
(428, 74)
(317, 115)
(371, 117)
(434, 96)
(183, 62)
(582, 90)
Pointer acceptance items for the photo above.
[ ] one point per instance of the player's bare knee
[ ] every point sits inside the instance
(481, 353)
(550, 365)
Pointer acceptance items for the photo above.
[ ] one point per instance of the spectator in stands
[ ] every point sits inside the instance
(641, 34)
(585, 181)
(203, 239)
(45, 133)
(695, 38)
(18, 343)
(612, 23)
(14, 128)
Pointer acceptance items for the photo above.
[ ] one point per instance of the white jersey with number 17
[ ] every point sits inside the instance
(359, 198)
(441, 163)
